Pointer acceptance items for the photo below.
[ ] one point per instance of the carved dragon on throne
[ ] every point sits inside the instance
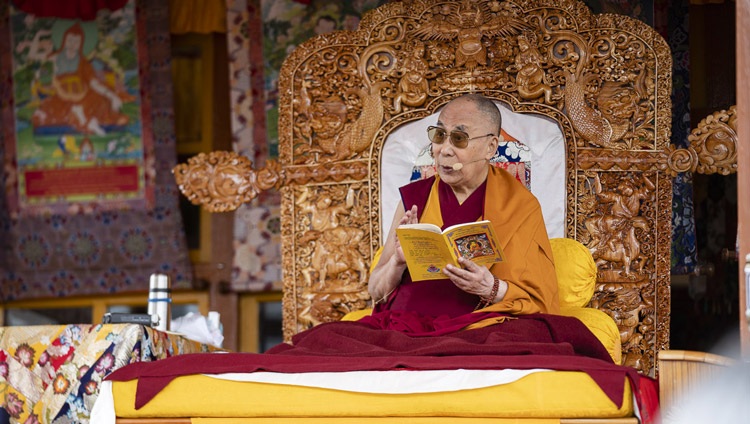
(325, 119)
(614, 117)
(608, 109)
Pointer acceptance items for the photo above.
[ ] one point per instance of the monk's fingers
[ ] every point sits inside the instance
(413, 214)
(469, 265)
(466, 280)
(479, 273)
(410, 216)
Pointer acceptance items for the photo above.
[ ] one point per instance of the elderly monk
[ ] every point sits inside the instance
(467, 188)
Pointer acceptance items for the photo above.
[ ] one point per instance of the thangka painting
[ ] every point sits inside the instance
(78, 142)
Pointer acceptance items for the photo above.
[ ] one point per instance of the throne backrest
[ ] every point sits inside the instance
(603, 80)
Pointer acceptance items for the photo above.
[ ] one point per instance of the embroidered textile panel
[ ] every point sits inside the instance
(52, 374)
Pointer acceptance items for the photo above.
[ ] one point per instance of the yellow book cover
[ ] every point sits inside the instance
(427, 249)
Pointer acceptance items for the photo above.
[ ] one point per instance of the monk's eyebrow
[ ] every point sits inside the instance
(461, 127)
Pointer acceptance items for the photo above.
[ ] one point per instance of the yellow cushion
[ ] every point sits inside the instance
(576, 272)
(603, 327)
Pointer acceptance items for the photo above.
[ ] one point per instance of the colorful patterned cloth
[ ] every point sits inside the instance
(52, 373)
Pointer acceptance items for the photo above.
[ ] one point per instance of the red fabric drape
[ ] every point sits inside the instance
(84, 10)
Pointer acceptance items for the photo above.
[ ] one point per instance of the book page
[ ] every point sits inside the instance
(426, 253)
(423, 226)
(476, 241)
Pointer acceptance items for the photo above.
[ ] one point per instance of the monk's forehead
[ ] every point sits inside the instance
(461, 115)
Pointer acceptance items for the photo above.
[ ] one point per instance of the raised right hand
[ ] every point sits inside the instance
(410, 217)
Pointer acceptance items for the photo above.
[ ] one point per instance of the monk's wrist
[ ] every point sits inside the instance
(490, 298)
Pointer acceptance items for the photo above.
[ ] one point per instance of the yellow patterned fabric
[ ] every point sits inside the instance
(576, 272)
(566, 394)
(52, 373)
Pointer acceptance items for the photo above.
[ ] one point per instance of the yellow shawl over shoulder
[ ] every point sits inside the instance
(528, 268)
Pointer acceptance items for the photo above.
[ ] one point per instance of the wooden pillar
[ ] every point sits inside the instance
(743, 160)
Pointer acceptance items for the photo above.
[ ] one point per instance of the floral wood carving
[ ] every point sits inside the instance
(713, 146)
(222, 181)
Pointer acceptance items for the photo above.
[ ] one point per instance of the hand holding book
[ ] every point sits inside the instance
(427, 249)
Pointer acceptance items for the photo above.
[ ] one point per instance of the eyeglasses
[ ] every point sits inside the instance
(459, 139)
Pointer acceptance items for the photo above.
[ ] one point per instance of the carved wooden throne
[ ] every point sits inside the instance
(605, 80)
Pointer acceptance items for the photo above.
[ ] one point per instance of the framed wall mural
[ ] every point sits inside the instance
(78, 141)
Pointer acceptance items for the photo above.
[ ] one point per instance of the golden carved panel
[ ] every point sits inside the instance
(620, 213)
(618, 228)
(632, 307)
(331, 252)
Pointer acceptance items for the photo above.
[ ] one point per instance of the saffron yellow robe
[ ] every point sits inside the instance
(529, 267)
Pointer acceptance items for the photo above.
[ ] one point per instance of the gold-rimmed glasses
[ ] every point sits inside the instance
(458, 139)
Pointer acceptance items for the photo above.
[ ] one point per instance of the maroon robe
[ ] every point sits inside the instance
(436, 298)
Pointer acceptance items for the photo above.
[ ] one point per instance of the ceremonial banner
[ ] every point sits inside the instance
(78, 141)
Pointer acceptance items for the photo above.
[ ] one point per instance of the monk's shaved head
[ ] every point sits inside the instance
(484, 106)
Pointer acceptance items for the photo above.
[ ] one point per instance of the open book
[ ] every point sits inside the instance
(427, 249)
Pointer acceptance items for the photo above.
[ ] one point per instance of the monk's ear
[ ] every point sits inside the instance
(492, 147)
